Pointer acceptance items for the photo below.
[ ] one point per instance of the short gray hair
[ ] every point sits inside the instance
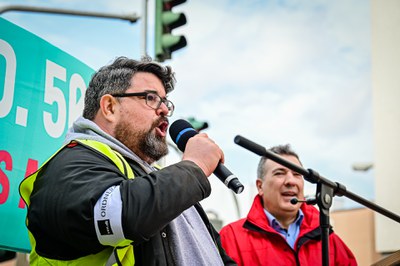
(280, 150)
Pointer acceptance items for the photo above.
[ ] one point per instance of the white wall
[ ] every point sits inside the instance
(386, 112)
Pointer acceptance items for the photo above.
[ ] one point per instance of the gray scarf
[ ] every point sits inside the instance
(84, 128)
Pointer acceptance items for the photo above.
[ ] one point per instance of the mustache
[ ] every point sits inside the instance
(160, 120)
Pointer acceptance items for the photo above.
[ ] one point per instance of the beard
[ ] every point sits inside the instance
(146, 144)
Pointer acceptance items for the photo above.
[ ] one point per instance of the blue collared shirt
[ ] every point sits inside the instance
(289, 234)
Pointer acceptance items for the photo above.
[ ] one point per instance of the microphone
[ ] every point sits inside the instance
(308, 201)
(181, 131)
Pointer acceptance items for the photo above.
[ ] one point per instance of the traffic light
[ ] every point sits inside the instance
(197, 125)
(165, 22)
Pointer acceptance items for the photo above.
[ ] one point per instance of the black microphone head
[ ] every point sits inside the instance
(181, 131)
(236, 186)
(294, 201)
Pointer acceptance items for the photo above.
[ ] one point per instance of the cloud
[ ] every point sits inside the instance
(274, 71)
(281, 74)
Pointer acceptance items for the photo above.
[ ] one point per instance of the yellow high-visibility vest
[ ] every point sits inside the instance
(121, 254)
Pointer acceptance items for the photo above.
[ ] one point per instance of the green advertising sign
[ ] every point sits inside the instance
(41, 93)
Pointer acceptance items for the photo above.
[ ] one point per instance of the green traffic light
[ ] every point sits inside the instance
(173, 20)
(165, 22)
(197, 124)
(171, 43)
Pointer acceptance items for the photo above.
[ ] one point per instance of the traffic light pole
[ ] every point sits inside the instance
(129, 17)
(132, 17)
(144, 27)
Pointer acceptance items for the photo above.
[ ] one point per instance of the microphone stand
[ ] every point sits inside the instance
(326, 190)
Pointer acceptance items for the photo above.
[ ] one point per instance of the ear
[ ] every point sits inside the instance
(259, 183)
(108, 107)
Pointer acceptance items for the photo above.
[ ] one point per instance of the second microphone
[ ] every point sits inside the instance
(181, 131)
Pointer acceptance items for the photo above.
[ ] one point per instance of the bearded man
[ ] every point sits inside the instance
(100, 201)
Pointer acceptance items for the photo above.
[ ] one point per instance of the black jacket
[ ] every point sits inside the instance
(72, 182)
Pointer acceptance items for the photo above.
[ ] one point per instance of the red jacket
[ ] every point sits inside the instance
(252, 241)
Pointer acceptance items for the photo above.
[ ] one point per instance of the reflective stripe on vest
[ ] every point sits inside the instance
(120, 255)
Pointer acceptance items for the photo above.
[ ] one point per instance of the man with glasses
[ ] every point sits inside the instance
(100, 201)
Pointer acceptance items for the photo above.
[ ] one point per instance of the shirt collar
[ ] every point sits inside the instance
(276, 225)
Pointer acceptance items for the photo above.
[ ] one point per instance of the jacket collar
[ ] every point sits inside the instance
(257, 217)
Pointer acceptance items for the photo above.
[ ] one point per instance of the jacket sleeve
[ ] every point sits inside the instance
(62, 201)
(343, 255)
(151, 201)
(229, 243)
(66, 191)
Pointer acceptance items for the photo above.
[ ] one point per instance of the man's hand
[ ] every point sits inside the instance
(203, 151)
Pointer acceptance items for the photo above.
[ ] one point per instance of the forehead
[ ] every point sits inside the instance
(146, 81)
(272, 165)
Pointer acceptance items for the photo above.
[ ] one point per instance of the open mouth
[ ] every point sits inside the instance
(162, 128)
(289, 194)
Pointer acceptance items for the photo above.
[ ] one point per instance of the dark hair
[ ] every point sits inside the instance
(116, 78)
(280, 150)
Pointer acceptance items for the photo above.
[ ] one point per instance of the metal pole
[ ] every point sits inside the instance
(130, 17)
(236, 205)
(144, 27)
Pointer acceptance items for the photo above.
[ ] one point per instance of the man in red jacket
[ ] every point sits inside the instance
(276, 232)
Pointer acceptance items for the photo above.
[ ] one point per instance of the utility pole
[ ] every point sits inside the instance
(132, 17)
(129, 17)
(144, 27)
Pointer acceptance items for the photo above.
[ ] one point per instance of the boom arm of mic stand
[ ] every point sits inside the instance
(326, 189)
(313, 177)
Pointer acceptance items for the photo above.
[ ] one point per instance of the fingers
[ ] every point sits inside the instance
(204, 152)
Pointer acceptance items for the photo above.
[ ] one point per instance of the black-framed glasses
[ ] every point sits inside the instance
(153, 100)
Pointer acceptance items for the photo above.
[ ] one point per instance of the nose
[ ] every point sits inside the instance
(290, 179)
(163, 109)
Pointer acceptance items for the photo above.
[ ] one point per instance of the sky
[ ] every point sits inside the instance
(273, 71)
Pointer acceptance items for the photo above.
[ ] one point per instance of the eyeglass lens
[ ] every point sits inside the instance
(154, 101)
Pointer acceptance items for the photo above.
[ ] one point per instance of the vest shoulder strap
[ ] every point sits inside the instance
(115, 156)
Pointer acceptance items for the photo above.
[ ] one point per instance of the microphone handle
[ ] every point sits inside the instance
(181, 131)
(229, 179)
